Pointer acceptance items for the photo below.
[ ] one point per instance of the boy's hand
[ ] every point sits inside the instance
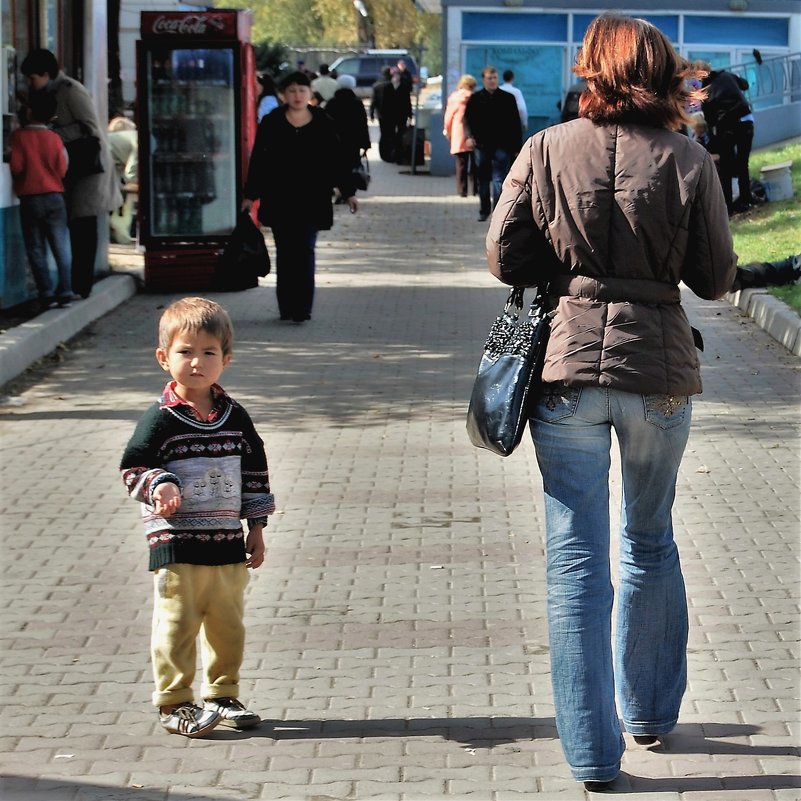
(166, 499)
(254, 545)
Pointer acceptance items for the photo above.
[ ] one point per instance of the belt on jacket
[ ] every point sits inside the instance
(621, 290)
(616, 290)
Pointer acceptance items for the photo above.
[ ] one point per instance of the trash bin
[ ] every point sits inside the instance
(777, 181)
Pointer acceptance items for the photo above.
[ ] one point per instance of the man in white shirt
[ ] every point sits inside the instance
(325, 85)
(507, 86)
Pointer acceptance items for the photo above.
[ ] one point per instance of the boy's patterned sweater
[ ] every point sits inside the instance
(219, 465)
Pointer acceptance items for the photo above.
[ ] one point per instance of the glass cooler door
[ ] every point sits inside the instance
(192, 145)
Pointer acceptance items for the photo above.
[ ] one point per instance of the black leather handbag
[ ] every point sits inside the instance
(244, 258)
(84, 156)
(509, 374)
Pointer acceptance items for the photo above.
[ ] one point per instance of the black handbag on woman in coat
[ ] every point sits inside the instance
(509, 374)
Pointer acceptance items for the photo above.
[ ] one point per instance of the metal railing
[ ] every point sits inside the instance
(774, 82)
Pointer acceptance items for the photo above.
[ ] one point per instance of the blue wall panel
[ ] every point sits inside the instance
(668, 24)
(748, 31)
(490, 27)
(16, 285)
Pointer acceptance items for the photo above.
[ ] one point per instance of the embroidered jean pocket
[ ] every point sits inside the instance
(666, 411)
(556, 402)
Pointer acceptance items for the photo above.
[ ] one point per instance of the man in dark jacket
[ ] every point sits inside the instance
(394, 113)
(386, 141)
(493, 123)
(731, 124)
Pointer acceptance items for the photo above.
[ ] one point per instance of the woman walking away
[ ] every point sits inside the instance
(612, 234)
(454, 130)
(296, 163)
(87, 196)
(350, 120)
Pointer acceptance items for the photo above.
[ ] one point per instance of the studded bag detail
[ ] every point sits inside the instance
(508, 374)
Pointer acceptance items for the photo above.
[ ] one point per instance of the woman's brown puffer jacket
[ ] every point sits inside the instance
(615, 216)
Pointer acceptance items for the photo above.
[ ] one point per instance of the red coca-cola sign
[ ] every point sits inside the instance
(195, 24)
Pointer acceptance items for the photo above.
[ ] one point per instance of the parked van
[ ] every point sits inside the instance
(366, 67)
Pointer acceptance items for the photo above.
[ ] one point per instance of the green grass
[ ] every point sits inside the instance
(773, 231)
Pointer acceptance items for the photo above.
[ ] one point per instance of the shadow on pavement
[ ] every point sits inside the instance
(689, 784)
(471, 732)
(26, 788)
(486, 732)
(366, 359)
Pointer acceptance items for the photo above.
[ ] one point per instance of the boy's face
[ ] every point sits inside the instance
(195, 361)
(37, 82)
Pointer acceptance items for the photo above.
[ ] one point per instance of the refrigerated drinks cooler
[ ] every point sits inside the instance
(197, 122)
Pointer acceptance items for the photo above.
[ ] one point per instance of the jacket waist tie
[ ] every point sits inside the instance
(616, 290)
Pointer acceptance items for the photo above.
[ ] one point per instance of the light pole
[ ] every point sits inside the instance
(419, 54)
(365, 25)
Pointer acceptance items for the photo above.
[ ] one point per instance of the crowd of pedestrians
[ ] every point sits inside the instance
(485, 128)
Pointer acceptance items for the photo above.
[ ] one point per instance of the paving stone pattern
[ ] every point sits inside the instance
(397, 645)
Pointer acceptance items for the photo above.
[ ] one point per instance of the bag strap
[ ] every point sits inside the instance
(514, 303)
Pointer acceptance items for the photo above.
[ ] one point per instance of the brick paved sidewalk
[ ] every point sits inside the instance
(397, 641)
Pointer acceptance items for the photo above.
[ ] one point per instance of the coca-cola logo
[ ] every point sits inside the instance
(191, 24)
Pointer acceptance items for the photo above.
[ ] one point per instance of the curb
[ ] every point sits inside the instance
(770, 314)
(25, 344)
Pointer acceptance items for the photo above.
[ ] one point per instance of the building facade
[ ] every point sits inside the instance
(538, 40)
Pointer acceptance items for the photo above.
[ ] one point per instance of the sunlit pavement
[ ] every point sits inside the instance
(397, 646)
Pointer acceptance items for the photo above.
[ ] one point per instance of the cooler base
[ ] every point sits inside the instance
(180, 270)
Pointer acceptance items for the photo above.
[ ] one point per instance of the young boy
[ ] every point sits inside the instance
(38, 165)
(198, 466)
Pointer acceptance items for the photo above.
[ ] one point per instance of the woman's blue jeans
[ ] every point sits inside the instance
(571, 428)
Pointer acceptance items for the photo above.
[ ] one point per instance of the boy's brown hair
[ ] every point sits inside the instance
(194, 315)
(632, 71)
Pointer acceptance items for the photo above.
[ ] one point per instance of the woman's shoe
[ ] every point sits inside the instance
(645, 739)
(597, 787)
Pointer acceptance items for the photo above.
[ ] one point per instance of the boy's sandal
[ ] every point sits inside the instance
(233, 713)
(190, 720)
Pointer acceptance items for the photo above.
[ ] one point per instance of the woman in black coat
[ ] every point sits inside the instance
(296, 163)
(350, 118)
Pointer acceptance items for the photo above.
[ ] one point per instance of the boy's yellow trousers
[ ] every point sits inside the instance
(191, 601)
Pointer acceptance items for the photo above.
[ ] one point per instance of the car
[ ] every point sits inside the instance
(366, 67)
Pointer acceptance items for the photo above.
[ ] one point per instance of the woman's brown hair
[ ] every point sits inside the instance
(632, 73)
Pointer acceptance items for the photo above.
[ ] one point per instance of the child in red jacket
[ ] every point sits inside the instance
(38, 164)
